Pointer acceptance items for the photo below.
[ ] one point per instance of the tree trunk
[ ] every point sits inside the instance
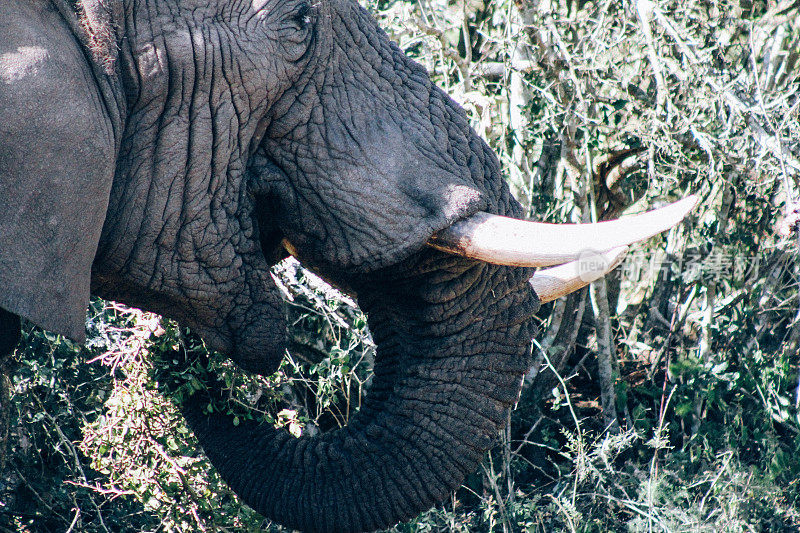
(453, 341)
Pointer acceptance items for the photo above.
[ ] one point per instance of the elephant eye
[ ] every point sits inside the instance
(301, 17)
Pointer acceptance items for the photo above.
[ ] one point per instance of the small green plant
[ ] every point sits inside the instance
(594, 110)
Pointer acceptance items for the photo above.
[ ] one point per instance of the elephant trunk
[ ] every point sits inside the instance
(453, 339)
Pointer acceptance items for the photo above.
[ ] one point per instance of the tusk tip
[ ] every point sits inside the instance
(685, 206)
(555, 282)
(690, 202)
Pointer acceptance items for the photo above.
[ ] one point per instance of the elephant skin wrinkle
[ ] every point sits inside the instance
(157, 153)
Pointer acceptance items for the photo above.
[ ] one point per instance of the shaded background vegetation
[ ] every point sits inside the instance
(664, 398)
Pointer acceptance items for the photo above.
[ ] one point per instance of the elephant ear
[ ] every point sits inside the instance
(57, 149)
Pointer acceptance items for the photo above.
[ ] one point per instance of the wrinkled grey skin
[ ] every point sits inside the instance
(157, 153)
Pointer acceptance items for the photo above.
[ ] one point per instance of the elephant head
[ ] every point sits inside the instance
(164, 153)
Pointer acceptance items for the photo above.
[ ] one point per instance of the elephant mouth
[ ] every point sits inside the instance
(577, 254)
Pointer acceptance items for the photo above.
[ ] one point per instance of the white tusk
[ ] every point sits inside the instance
(550, 283)
(555, 282)
(509, 241)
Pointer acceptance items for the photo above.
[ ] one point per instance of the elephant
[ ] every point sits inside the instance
(167, 153)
